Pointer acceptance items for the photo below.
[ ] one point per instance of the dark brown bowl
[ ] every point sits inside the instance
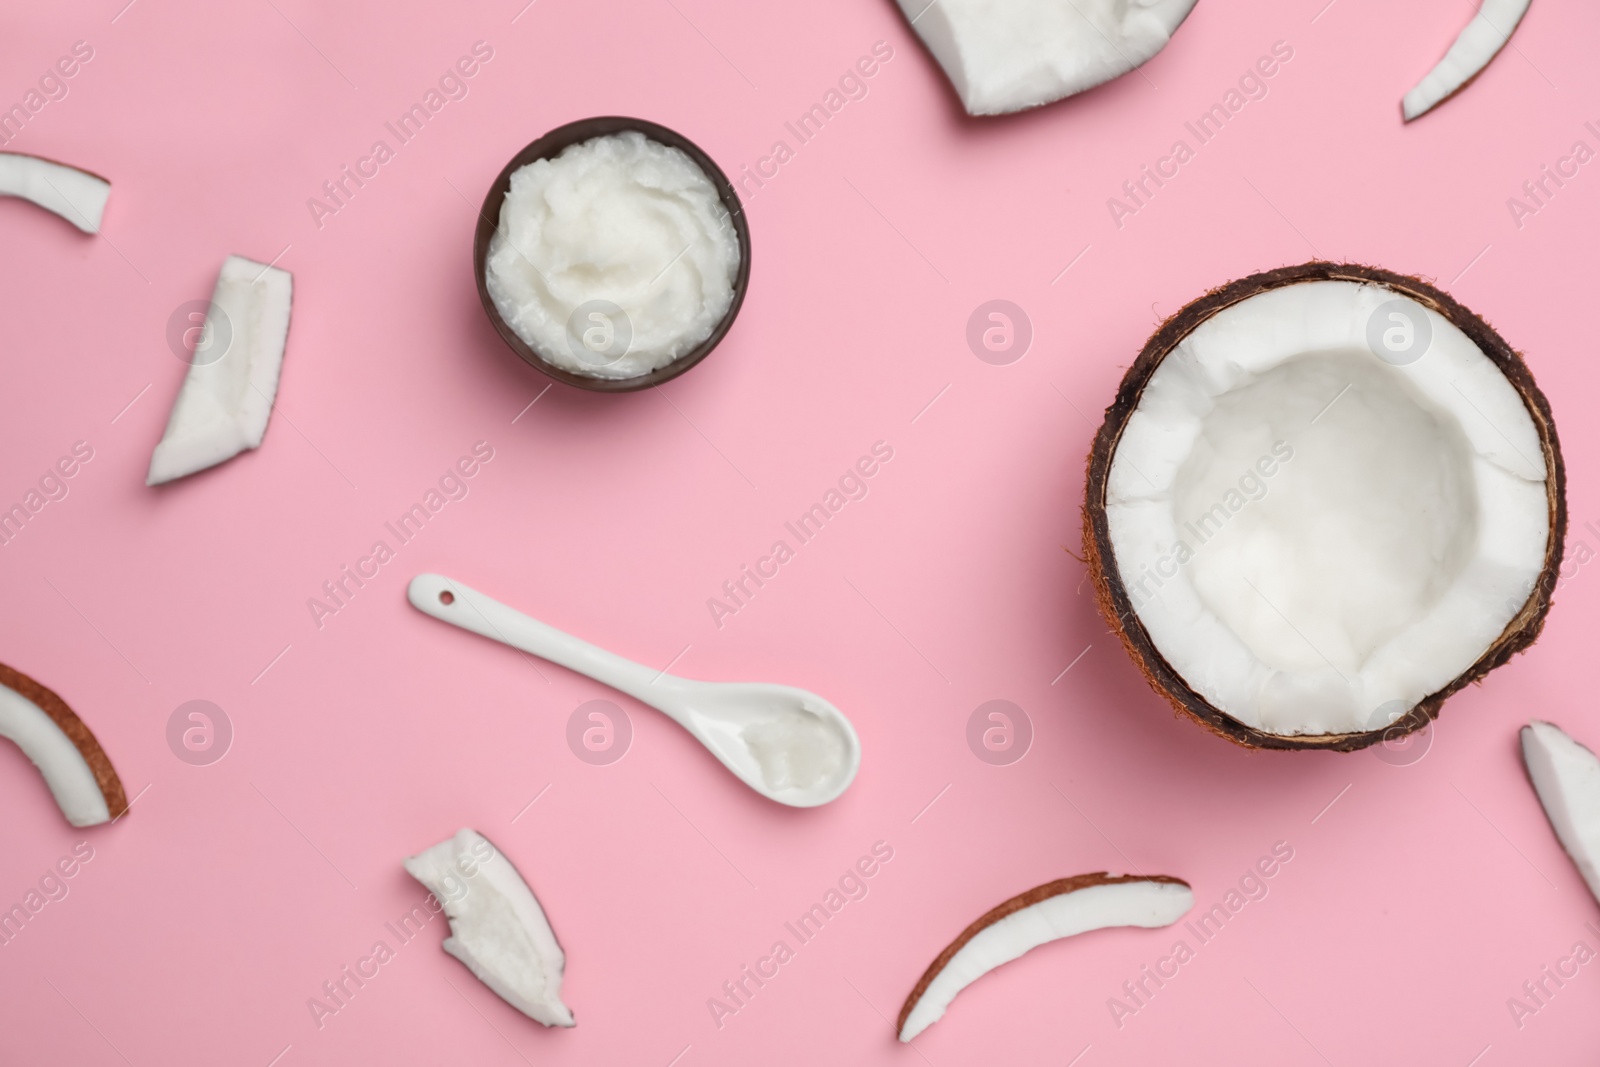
(551, 144)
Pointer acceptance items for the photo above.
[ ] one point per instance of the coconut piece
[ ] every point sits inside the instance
(1022, 53)
(497, 927)
(1566, 775)
(74, 766)
(1488, 32)
(226, 398)
(78, 196)
(1049, 912)
(1306, 544)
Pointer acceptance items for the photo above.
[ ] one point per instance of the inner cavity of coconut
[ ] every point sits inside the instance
(1314, 537)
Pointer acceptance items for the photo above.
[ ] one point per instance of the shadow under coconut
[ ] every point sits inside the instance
(1113, 710)
(1119, 712)
(955, 118)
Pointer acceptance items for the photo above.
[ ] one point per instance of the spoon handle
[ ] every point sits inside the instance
(459, 605)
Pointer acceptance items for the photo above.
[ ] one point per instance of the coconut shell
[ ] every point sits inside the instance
(1112, 594)
(78, 732)
(1033, 896)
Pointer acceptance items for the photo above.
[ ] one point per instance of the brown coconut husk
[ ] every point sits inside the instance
(1112, 595)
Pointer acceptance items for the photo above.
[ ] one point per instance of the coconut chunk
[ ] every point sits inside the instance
(226, 399)
(1017, 54)
(76, 195)
(1047, 913)
(1488, 32)
(1566, 775)
(73, 764)
(1326, 498)
(497, 927)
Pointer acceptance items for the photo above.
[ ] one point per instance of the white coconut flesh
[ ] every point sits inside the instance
(1314, 538)
(226, 399)
(75, 195)
(1566, 775)
(497, 928)
(1134, 903)
(1007, 55)
(1480, 42)
(63, 767)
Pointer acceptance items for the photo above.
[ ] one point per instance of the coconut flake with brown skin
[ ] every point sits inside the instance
(1488, 32)
(1566, 775)
(1326, 498)
(76, 195)
(73, 764)
(1049, 912)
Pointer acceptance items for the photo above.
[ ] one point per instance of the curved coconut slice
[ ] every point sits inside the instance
(1306, 544)
(226, 398)
(78, 196)
(1050, 912)
(74, 766)
(1566, 775)
(1009, 56)
(496, 925)
(1480, 42)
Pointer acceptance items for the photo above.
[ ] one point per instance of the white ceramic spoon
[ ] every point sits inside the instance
(715, 713)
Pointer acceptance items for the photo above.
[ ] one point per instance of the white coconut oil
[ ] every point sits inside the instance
(796, 749)
(613, 258)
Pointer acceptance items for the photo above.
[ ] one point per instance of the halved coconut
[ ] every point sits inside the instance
(1488, 32)
(1023, 53)
(1325, 498)
(497, 927)
(78, 196)
(227, 396)
(1046, 913)
(1566, 775)
(74, 766)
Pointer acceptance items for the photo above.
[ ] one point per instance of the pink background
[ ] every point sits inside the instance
(1414, 906)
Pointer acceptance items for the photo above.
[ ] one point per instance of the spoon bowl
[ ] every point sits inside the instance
(742, 724)
(719, 714)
